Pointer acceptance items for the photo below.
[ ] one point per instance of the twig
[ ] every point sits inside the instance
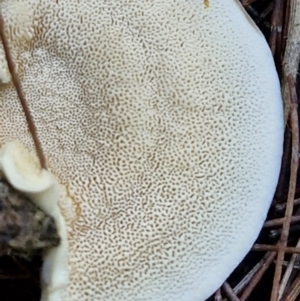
(292, 51)
(276, 26)
(266, 261)
(257, 18)
(292, 187)
(295, 290)
(250, 275)
(286, 26)
(290, 65)
(280, 194)
(280, 207)
(266, 11)
(280, 221)
(275, 233)
(277, 248)
(218, 295)
(229, 292)
(288, 273)
(16, 82)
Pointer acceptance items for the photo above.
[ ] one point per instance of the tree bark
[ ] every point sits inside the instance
(24, 228)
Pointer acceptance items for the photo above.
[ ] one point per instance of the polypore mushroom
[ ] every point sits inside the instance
(163, 122)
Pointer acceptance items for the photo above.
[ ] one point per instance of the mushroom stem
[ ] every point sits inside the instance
(16, 83)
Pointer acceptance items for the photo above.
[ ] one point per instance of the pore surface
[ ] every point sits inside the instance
(165, 126)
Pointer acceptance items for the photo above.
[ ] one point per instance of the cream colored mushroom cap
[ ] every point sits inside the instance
(164, 121)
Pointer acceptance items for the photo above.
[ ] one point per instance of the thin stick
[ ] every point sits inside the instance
(288, 273)
(295, 290)
(276, 25)
(280, 207)
(265, 265)
(280, 221)
(280, 194)
(218, 295)
(292, 188)
(250, 275)
(290, 267)
(16, 82)
(229, 292)
(277, 248)
(286, 26)
(292, 51)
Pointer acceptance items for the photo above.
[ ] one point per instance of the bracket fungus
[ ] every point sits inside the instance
(162, 122)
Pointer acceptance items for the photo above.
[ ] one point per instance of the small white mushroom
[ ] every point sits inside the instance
(163, 121)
